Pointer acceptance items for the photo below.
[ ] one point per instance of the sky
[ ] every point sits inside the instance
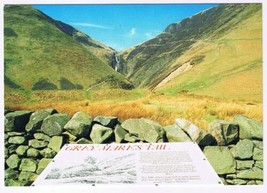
(122, 26)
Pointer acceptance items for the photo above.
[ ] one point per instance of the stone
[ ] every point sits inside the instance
(176, 134)
(13, 133)
(101, 134)
(108, 121)
(48, 153)
(12, 148)
(251, 174)
(131, 138)
(38, 144)
(36, 119)
(11, 182)
(198, 135)
(259, 182)
(53, 125)
(67, 135)
(248, 164)
(13, 161)
(28, 165)
(19, 140)
(11, 174)
(236, 181)
(145, 129)
(22, 150)
(6, 136)
(79, 125)
(259, 164)
(27, 177)
(258, 144)
(231, 176)
(6, 153)
(16, 121)
(42, 137)
(258, 154)
(119, 134)
(84, 141)
(56, 143)
(248, 128)
(42, 165)
(31, 152)
(221, 159)
(224, 132)
(251, 182)
(243, 149)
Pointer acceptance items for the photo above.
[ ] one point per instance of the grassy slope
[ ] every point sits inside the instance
(228, 38)
(232, 67)
(38, 49)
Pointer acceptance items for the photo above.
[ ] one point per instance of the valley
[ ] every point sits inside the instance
(205, 67)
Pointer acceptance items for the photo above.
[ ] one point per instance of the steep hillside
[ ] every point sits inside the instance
(223, 46)
(41, 53)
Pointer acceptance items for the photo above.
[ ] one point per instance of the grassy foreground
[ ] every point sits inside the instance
(136, 103)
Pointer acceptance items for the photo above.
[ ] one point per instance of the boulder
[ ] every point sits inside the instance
(27, 177)
(259, 164)
(101, 134)
(241, 165)
(221, 159)
(258, 154)
(16, 121)
(19, 140)
(13, 161)
(198, 135)
(251, 174)
(79, 125)
(22, 150)
(12, 148)
(248, 128)
(11, 182)
(258, 144)
(28, 165)
(42, 165)
(11, 174)
(107, 121)
(56, 143)
(38, 144)
(176, 134)
(48, 153)
(119, 133)
(54, 124)
(36, 119)
(224, 132)
(41, 136)
(243, 149)
(145, 129)
(32, 152)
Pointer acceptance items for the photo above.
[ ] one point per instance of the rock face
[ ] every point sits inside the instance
(32, 139)
(221, 159)
(249, 128)
(79, 125)
(54, 124)
(198, 135)
(145, 129)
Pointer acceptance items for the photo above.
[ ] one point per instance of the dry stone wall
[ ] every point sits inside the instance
(32, 139)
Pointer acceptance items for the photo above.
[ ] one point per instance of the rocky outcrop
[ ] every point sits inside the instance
(32, 139)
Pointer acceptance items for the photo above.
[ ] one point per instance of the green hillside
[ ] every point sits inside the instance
(217, 52)
(41, 53)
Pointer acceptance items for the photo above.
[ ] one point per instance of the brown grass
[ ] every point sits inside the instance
(163, 109)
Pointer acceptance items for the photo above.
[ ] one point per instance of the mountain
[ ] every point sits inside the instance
(217, 52)
(42, 53)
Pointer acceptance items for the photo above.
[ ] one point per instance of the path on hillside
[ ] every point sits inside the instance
(180, 70)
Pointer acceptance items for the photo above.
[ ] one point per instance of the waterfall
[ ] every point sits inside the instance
(117, 62)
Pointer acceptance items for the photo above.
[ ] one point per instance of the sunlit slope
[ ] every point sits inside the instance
(41, 53)
(223, 46)
(231, 65)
